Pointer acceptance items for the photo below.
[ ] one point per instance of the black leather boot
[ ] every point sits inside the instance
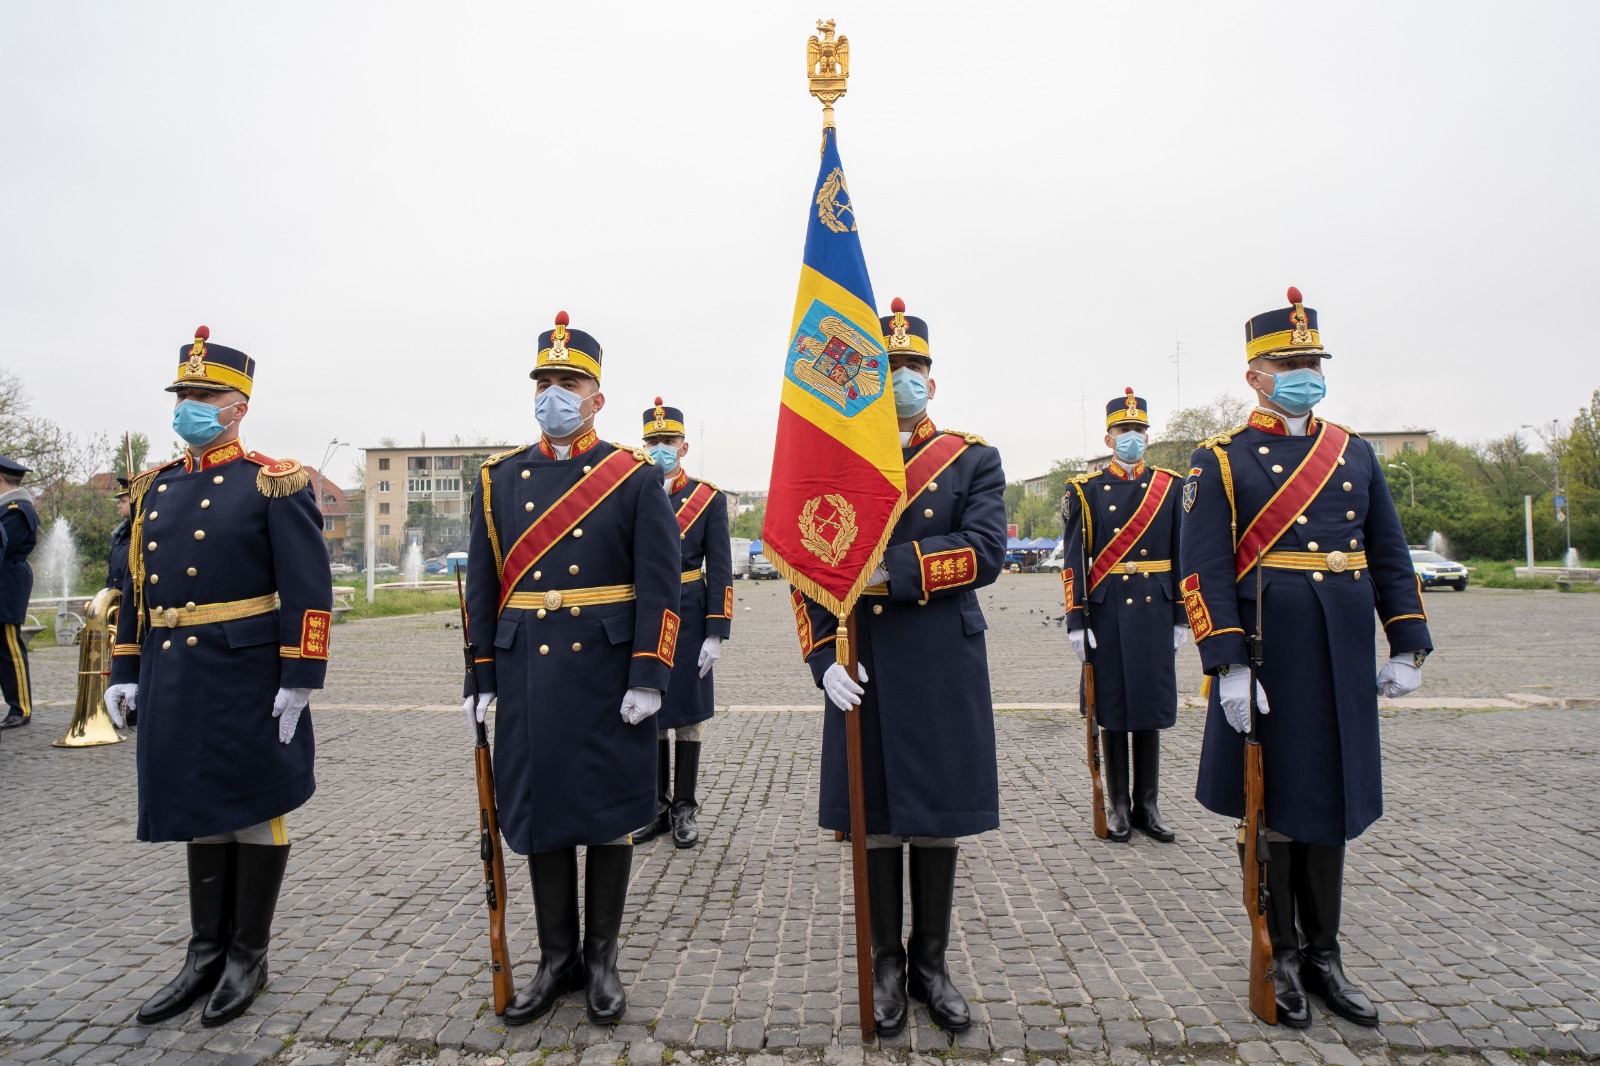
(555, 909)
(885, 896)
(605, 894)
(1293, 1008)
(257, 880)
(663, 820)
(1114, 771)
(933, 889)
(1146, 785)
(685, 833)
(210, 925)
(1319, 896)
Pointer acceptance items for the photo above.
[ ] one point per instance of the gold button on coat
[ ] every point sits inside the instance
(525, 475)
(189, 606)
(877, 608)
(573, 569)
(1144, 551)
(1316, 575)
(1130, 599)
(165, 644)
(540, 613)
(193, 571)
(586, 469)
(527, 506)
(192, 641)
(1263, 449)
(1312, 546)
(933, 486)
(544, 649)
(153, 515)
(204, 504)
(577, 532)
(199, 534)
(1113, 507)
(537, 574)
(576, 646)
(1349, 514)
(161, 488)
(217, 480)
(154, 578)
(1354, 543)
(1347, 486)
(1301, 519)
(927, 512)
(576, 611)
(1276, 469)
(150, 547)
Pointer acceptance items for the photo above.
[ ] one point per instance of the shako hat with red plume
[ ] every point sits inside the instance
(204, 365)
(663, 421)
(905, 334)
(565, 348)
(1284, 333)
(1128, 410)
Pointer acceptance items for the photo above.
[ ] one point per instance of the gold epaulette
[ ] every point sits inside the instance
(1342, 426)
(1164, 470)
(638, 453)
(140, 483)
(1225, 437)
(1083, 478)
(706, 483)
(498, 457)
(971, 438)
(278, 478)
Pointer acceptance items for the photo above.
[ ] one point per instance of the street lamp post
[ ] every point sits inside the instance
(1551, 439)
(1403, 465)
(333, 446)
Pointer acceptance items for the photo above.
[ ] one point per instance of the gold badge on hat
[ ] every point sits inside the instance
(661, 416)
(899, 338)
(1300, 326)
(196, 366)
(558, 339)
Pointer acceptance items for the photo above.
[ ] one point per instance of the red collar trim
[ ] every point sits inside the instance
(923, 431)
(222, 453)
(1116, 469)
(680, 478)
(579, 446)
(1272, 422)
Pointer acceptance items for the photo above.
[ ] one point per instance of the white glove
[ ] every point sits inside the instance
(1179, 635)
(119, 698)
(475, 714)
(879, 575)
(286, 708)
(842, 692)
(639, 704)
(1075, 638)
(1234, 692)
(710, 652)
(1400, 676)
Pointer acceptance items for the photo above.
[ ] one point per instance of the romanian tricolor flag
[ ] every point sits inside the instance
(838, 482)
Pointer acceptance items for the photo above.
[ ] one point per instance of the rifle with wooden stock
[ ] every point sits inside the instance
(1253, 838)
(1091, 718)
(494, 864)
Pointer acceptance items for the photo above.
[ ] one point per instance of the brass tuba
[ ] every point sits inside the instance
(91, 725)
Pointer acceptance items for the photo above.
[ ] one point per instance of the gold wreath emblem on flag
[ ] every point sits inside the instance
(830, 208)
(830, 549)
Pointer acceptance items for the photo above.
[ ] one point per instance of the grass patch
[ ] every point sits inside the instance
(1500, 574)
(398, 602)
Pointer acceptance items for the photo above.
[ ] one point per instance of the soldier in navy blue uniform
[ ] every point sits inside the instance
(572, 601)
(1121, 527)
(221, 637)
(927, 719)
(117, 562)
(19, 528)
(707, 610)
(1306, 498)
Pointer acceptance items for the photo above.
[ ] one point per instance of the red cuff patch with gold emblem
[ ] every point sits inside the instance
(727, 602)
(314, 635)
(667, 646)
(1066, 588)
(1199, 618)
(802, 623)
(947, 570)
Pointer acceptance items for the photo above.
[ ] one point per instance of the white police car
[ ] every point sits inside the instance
(1434, 569)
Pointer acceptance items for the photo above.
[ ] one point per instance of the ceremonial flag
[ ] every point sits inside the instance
(838, 482)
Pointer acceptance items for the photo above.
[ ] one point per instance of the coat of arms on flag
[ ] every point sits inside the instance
(831, 359)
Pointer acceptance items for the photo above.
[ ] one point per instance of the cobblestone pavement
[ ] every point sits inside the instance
(1470, 908)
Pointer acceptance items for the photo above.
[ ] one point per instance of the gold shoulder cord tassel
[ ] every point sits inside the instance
(279, 487)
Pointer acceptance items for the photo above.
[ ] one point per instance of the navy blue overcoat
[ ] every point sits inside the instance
(19, 532)
(232, 526)
(568, 770)
(1134, 607)
(927, 719)
(1320, 743)
(707, 600)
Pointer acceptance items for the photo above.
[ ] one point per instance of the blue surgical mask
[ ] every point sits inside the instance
(1298, 391)
(910, 392)
(197, 422)
(1130, 447)
(558, 412)
(666, 457)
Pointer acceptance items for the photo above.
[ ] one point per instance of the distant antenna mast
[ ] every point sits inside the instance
(1177, 372)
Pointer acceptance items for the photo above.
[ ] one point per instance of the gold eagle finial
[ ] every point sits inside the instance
(827, 67)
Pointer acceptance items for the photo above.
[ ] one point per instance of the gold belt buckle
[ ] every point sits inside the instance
(170, 616)
(1130, 568)
(1337, 561)
(552, 600)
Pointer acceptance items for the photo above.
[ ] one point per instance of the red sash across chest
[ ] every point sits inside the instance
(695, 506)
(1292, 498)
(1123, 542)
(931, 461)
(560, 517)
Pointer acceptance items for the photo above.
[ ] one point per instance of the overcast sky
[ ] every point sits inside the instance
(384, 203)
